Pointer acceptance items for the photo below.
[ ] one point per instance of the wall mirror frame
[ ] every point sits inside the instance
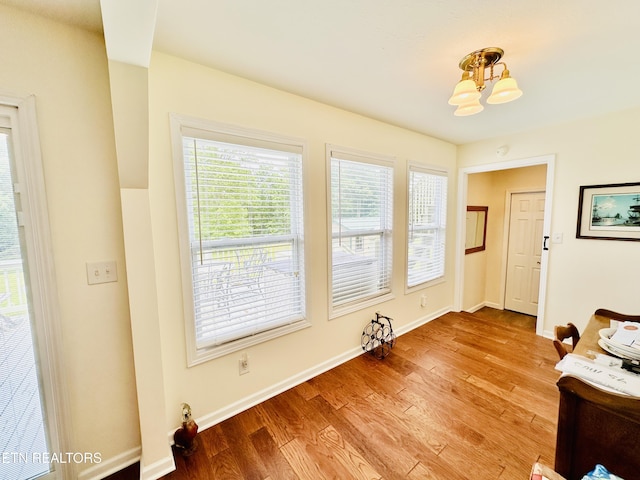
(476, 232)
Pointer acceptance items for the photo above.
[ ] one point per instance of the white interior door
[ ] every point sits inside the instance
(524, 252)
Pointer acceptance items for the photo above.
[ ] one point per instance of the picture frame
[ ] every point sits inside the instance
(609, 212)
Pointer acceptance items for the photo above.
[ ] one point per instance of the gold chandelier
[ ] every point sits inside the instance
(469, 89)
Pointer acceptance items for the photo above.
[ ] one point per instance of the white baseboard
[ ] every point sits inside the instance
(548, 334)
(164, 466)
(241, 405)
(157, 469)
(111, 466)
(147, 472)
(477, 307)
(229, 411)
(421, 321)
(497, 306)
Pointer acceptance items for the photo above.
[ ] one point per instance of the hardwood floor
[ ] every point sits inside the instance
(466, 396)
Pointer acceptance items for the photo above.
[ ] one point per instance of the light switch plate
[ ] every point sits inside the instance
(101, 272)
(556, 238)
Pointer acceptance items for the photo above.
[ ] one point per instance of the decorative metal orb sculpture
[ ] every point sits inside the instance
(377, 337)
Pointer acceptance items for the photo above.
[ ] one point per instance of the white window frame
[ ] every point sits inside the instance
(387, 235)
(442, 172)
(19, 114)
(180, 123)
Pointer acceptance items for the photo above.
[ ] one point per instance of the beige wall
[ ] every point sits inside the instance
(475, 264)
(66, 69)
(583, 274)
(188, 89)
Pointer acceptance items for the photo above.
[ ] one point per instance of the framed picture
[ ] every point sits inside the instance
(609, 212)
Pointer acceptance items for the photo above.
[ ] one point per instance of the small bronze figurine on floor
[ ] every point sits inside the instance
(185, 437)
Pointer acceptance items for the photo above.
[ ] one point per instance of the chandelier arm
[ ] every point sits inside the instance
(476, 74)
(492, 77)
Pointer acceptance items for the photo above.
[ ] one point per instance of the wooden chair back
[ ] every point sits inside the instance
(561, 333)
(603, 312)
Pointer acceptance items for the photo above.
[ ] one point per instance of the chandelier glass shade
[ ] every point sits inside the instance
(505, 90)
(470, 108)
(467, 93)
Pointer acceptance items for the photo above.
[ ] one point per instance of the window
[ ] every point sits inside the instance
(361, 212)
(242, 236)
(427, 225)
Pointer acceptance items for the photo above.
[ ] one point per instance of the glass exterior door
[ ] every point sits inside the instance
(23, 434)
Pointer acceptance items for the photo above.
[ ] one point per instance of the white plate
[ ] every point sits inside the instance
(605, 335)
(618, 353)
(631, 352)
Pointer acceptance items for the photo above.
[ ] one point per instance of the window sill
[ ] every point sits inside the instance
(350, 308)
(202, 355)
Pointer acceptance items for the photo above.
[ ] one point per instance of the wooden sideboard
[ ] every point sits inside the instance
(594, 425)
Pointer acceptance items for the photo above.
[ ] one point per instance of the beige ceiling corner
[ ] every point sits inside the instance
(128, 30)
(128, 33)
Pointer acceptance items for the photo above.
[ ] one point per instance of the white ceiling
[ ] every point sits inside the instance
(397, 60)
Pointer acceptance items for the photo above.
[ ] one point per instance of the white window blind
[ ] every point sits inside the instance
(244, 211)
(361, 217)
(427, 225)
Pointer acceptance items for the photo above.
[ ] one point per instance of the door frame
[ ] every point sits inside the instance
(45, 314)
(463, 179)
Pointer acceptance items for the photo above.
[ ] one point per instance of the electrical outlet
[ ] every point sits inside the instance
(101, 272)
(243, 364)
(423, 300)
